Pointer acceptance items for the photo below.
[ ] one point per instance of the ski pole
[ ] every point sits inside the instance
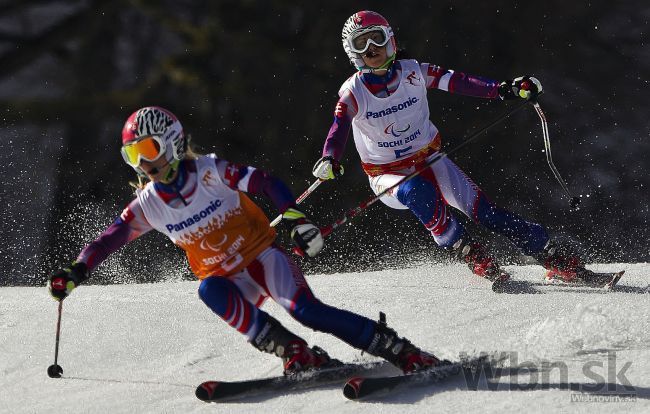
(300, 199)
(353, 212)
(55, 370)
(573, 201)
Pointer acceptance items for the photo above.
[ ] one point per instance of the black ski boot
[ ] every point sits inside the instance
(399, 351)
(296, 355)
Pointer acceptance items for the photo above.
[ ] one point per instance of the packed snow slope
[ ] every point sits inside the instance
(144, 348)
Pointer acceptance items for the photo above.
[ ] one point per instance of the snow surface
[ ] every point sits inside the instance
(144, 348)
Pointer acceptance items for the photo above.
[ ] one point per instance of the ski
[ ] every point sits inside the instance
(215, 391)
(602, 280)
(501, 285)
(362, 387)
(586, 278)
(589, 278)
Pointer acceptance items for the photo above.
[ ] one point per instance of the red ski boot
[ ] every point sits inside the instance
(561, 265)
(298, 357)
(412, 358)
(479, 261)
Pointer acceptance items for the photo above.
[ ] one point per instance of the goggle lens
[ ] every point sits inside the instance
(147, 148)
(362, 41)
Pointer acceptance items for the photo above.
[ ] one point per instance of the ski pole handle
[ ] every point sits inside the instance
(300, 199)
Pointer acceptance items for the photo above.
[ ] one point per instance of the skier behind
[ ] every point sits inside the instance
(199, 203)
(385, 104)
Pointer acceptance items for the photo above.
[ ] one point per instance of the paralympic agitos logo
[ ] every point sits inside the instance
(390, 129)
(195, 218)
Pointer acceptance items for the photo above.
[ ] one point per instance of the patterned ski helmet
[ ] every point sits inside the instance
(362, 22)
(157, 121)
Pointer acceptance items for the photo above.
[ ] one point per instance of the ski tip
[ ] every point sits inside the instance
(616, 274)
(352, 388)
(612, 283)
(205, 391)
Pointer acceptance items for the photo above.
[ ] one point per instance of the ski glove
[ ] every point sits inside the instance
(63, 281)
(525, 87)
(327, 168)
(304, 234)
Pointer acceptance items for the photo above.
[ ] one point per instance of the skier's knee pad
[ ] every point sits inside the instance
(212, 286)
(418, 194)
(422, 197)
(214, 292)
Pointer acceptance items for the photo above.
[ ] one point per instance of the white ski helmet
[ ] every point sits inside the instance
(363, 22)
(160, 124)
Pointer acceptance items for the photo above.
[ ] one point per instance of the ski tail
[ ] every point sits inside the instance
(205, 391)
(352, 389)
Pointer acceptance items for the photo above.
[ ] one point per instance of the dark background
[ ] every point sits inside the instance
(256, 82)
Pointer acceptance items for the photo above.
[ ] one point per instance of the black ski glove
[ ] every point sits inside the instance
(525, 87)
(304, 234)
(63, 281)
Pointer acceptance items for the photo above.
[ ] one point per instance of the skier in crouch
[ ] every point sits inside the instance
(385, 104)
(199, 203)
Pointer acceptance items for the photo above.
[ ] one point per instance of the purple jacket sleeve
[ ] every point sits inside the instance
(460, 83)
(130, 225)
(273, 188)
(251, 180)
(337, 137)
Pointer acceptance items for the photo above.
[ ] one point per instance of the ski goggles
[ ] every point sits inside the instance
(151, 147)
(376, 35)
(147, 148)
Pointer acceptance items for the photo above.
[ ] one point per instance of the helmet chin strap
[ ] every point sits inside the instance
(384, 66)
(169, 175)
(171, 171)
